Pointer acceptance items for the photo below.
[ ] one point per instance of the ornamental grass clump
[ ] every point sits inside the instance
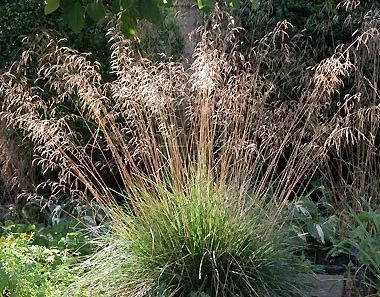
(202, 239)
(194, 166)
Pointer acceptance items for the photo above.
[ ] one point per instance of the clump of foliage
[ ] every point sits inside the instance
(35, 259)
(75, 13)
(200, 239)
(30, 270)
(363, 241)
(315, 222)
(67, 237)
(39, 242)
(25, 18)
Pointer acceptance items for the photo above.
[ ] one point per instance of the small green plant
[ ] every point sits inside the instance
(35, 260)
(64, 224)
(29, 270)
(198, 241)
(363, 241)
(315, 221)
(68, 237)
(54, 211)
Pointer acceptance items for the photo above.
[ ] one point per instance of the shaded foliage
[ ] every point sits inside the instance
(22, 18)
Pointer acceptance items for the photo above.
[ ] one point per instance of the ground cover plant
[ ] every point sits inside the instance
(193, 154)
(30, 267)
(30, 270)
(38, 246)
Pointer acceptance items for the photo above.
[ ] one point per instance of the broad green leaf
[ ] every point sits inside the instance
(201, 5)
(30, 227)
(320, 233)
(128, 24)
(96, 10)
(51, 6)
(150, 11)
(73, 16)
(329, 227)
(310, 206)
(310, 227)
(301, 209)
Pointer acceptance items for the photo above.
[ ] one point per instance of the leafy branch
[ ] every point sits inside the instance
(74, 12)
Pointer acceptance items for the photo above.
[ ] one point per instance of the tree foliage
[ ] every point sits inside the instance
(75, 12)
(21, 18)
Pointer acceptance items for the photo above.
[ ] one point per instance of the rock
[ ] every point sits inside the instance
(323, 285)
